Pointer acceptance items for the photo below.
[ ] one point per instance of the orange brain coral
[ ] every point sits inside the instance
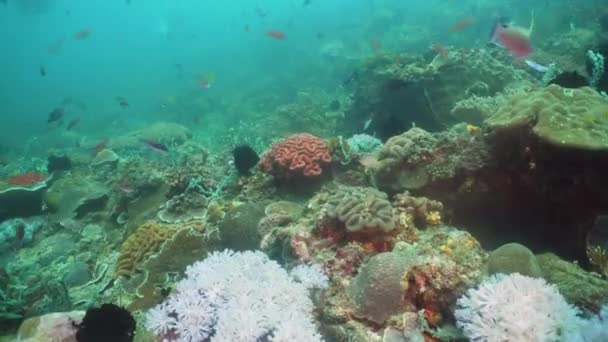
(298, 155)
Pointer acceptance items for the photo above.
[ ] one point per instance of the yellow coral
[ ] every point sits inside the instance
(433, 218)
(139, 246)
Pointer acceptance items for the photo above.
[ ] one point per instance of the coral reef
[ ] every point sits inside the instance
(361, 210)
(139, 246)
(60, 326)
(421, 211)
(185, 207)
(572, 118)
(513, 258)
(72, 196)
(301, 155)
(239, 228)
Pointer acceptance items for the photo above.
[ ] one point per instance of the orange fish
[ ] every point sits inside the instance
(101, 146)
(439, 49)
(82, 34)
(375, 44)
(462, 24)
(516, 39)
(278, 35)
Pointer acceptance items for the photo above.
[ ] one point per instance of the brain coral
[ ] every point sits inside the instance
(139, 246)
(361, 209)
(298, 155)
(576, 118)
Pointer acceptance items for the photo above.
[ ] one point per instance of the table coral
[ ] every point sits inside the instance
(575, 118)
(142, 244)
(300, 155)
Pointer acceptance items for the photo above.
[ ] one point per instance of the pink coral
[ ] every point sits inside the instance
(298, 155)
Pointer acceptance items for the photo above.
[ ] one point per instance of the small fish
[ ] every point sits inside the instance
(514, 38)
(462, 24)
(55, 48)
(42, 71)
(155, 146)
(320, 35)
(260, 12)
(246, 28)
(82, 34)
(73, 123)
(375, 44)
(439, 49)
(278, 35)
(367, 123)
(122, 101)
(535, 66)
(306, 3)
(473, 129)
(101, 146)
(206, 80)
(55, 115)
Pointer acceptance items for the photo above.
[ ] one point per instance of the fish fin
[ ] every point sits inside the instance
(531, 28)
(496, 30)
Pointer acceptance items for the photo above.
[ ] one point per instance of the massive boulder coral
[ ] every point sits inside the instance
(361, 209)
(568, 118)
(300, 155)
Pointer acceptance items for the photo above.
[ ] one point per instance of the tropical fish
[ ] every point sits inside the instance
(375, 44)
(155, 146)
(246, 28)
(55, 115)
(101, 146)
(439, 49)
(462, 24)
(278, 35)
(536, 66)
(42, 71)
(245, 158)
(82, 34)
(307, 2)
(473, 129)
(260, 12)
(73, 123)
(206, 80)
(122, 101)
(515, 38)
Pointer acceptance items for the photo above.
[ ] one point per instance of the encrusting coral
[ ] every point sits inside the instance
(300, 155)
(575, 118)
(419, 210)
(142, 244)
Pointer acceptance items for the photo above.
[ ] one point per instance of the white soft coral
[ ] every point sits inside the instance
(515, 308)
(238, 297)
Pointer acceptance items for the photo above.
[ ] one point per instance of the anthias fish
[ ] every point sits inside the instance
(515, 38)
(278, 35)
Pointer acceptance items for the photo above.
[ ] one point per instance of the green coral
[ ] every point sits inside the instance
(361, 208)
(513, 258)
(575, 118)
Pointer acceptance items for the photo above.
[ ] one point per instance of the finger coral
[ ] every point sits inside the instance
(300, 155)
(361, 209)
(142, 244)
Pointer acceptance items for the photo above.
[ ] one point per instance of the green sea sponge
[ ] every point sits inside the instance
(361, 208)
(513, 258)
(575, 118)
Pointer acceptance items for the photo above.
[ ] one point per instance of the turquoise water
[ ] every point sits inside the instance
(303, 170)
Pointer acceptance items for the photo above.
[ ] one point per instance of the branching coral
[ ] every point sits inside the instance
(299, 155)
(142, 244)
(361, 209)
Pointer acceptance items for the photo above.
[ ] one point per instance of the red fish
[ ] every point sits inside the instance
(516, 39)
(278, 35)
(375, 44)
(462, 24)
(82, 34)
(101, 146)
(439, 49)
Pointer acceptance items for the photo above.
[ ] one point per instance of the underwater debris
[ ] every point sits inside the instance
(245, 158)
(300, 155)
